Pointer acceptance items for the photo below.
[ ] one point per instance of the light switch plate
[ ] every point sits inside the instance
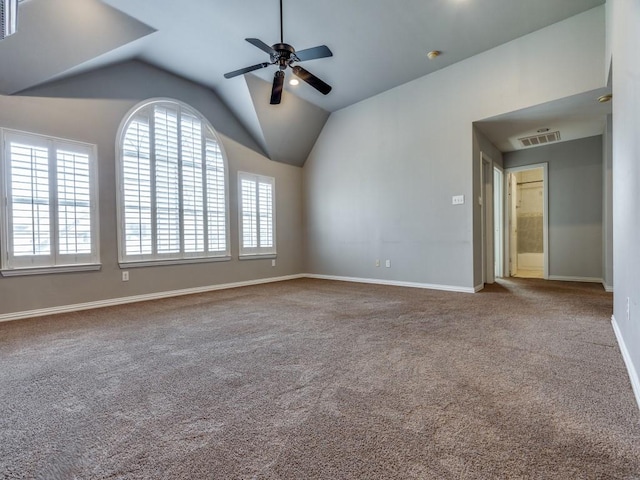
(457, 200)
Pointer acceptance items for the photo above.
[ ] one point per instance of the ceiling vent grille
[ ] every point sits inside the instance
(8, 17)
(541, 139)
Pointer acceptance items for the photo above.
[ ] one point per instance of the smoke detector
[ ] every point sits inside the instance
(542, 139)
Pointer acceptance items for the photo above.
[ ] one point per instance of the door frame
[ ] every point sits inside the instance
(499, 192)
(486, 215)
(545, 210)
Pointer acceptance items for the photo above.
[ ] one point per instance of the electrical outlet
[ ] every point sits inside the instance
(387, 263)
(377, 263)
(125, 276)
(273, 262)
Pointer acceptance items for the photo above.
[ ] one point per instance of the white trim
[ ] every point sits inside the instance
(564, 278)
(607, 288)
(258, 256)
(393, 283)
(487, 255)
(207, 132)
(477, 288)
(140, 298)
(631, 369)
(17, 272)
(257, 251)
(39, 263)
(175, 261)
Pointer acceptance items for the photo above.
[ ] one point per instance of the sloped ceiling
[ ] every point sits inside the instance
(55, 36)
(290, 129)
(377, 45)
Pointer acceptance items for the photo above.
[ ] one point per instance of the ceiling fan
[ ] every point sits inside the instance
(284, 55)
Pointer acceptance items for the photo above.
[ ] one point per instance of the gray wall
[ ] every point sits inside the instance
(379, 181)
(575, 204)
(625, 38)
(481, 144)
(90, 108)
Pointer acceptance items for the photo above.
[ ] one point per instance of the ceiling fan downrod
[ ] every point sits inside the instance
(284, 55)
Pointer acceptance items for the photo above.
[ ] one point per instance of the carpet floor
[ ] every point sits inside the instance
(312, 379)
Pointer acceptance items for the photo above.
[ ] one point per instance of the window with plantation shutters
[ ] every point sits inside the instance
(173, 190)
(257, 215)
(50, 215)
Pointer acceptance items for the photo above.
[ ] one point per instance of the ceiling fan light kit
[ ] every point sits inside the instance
(284, 56)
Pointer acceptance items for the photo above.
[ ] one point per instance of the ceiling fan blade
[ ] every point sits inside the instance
(242, 71)
(276, 90)
(311, 79)
(261, 45)
(321, 51)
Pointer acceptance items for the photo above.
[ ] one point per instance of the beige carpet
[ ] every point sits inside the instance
(313, 379)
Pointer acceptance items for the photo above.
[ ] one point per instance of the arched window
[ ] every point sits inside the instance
(172, 198)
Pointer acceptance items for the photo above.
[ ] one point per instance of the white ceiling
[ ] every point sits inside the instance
(377, 44)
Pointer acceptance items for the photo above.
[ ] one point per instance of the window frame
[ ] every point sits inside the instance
(54, 261)
(246, 253)
(182, 257)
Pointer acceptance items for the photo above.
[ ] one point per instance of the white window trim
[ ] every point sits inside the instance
(133, 261)
(256, 252)
(87, 262)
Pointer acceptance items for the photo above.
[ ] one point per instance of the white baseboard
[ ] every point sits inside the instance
(607, 288)
(564, 278)
(477, 288)
(631, 369)
(393, 283)
(139, 298)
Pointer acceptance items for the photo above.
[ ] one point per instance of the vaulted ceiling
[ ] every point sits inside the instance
(377, 45)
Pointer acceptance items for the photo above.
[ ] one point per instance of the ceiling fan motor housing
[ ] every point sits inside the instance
(284, 56)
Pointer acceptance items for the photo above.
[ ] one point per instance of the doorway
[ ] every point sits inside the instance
(528, 221)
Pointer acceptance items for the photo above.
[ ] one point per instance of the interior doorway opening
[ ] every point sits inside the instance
(527, 214)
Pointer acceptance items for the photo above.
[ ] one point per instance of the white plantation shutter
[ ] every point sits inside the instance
(216, 197)
(265, 209)
(30, 211)
(257, 215)
(249, 214)
(192, 187)
(167, 180)
(136, 186)
(74, 202)
(51, 210)
(173, 200)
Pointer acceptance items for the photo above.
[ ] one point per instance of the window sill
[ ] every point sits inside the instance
(179, 261)
(17, 272)
(258, 256)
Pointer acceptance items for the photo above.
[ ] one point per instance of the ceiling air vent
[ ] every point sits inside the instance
(542, 139)
(8, 18)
